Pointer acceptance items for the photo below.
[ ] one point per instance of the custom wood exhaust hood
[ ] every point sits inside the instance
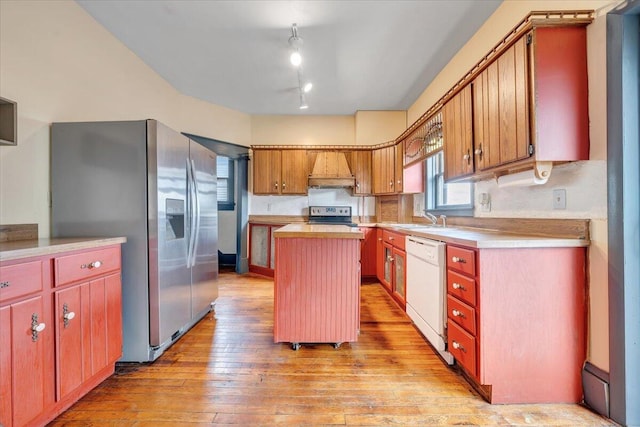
(331, 170)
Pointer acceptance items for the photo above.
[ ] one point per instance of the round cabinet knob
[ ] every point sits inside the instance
(466, 157)
(70, 315)
(457, 286)
(456, 313)
(39, 327)
(478, 151)
(95, 264)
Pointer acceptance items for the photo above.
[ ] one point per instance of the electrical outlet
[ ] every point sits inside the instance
(560, 198)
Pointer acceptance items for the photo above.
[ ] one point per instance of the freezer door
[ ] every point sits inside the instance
(169, 273)
(204, 258)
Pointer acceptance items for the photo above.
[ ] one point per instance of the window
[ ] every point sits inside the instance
(225, 183)
(454, 198)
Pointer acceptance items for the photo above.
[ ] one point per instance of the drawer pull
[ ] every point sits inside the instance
(94, 264)
(4, 284)
(457, 313)
(458, 346)
(458, 286)
(67, 315)
(458, 259)
(390, 237)
(36, 327)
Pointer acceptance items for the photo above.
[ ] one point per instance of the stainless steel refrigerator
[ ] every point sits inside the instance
(158, 188)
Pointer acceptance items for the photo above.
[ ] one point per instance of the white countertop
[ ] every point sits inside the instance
(19, 249)
(480, 238)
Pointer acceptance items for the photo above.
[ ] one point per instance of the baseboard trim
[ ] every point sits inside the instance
(595, 383)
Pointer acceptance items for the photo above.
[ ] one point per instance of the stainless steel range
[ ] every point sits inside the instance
(338, 215)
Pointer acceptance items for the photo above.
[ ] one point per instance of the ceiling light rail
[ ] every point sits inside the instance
(296, 42)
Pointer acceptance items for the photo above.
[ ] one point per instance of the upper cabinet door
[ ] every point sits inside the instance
(295, 172)
(266, 172)
(398, 168)
(513, 99)
(361, 169)
(457, 134)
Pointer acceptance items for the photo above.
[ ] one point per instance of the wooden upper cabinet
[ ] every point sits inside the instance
(266, 171)
(295, 172)
(280, 172)
(560, 116)
(384, 165)
(361, 169)
(528, 105)
(501, 109)
(457, 134)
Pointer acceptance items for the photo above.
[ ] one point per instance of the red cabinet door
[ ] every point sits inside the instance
(70, 338)
(29, 355)
(98, 325)
(368, 252)
(5, 366)
(113, 295)
(379, 255)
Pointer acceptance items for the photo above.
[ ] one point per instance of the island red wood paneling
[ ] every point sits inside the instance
(317, 290)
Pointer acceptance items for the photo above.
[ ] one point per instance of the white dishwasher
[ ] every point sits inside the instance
(426, 291)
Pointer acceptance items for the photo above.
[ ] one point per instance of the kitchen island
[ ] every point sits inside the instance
(317, 284)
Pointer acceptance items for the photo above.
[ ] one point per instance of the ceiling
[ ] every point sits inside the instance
(360, 55)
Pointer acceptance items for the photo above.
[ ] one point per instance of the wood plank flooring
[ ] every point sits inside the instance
(227, 370)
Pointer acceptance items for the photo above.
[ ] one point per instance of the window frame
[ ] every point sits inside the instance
(229, 204)
(432, 191)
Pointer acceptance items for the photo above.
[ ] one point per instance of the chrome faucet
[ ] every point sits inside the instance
(431, 217)
(444, 220)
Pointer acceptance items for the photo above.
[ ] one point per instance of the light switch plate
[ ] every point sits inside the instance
(560, 199)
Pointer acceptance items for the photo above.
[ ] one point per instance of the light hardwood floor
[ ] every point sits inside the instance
(227, 370)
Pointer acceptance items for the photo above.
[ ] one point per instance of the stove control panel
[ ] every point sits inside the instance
(330, 211)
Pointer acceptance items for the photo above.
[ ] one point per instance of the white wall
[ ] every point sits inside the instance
(60, 65)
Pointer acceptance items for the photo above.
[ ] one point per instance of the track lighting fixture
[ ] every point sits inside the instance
(296, 45)
(296, 42)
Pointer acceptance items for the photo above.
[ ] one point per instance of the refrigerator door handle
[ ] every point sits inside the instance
(190, 212)
(196, 213)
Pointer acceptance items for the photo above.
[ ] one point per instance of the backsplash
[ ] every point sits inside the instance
(299, 205)
(584, 182)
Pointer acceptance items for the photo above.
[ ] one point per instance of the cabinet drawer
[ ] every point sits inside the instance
(20, 279)
(462, 314)
(462, 287)
(462, 346)
(395, 239)
(460, 259)
(72, 268)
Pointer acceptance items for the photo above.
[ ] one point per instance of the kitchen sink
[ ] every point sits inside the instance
(413, 226)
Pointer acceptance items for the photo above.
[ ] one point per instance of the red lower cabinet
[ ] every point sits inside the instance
(516, 321)
(59, 337)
